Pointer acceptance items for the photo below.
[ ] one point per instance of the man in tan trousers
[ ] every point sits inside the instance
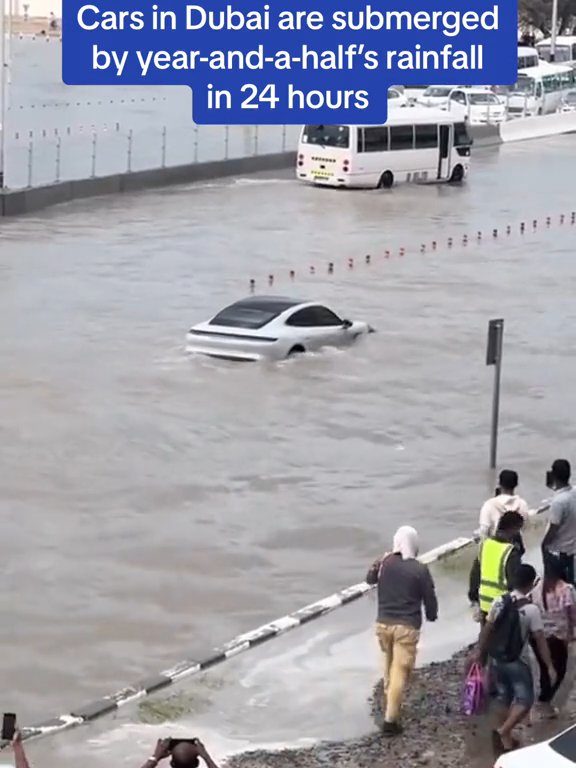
(404, 586)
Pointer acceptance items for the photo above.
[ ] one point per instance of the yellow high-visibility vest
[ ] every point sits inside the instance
(493, 558)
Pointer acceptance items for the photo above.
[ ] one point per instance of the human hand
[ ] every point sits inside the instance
(162, 750)
(17, 738)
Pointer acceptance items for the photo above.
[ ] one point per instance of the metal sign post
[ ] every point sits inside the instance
(494, 357)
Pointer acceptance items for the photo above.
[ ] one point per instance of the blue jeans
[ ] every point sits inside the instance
(514, 683)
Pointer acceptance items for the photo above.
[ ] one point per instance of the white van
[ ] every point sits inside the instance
(477, 106)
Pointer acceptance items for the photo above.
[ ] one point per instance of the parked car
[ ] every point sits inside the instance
(559, 752)
(436, 96)
(397, 98)
(568, 103)
(272, 328)
(477, 105)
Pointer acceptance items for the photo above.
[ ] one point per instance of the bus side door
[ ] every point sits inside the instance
(445, 140)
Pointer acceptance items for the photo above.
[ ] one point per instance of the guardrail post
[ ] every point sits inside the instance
(30, 161)
(226, 141)
(195, 143)
(164, 138)
(58, 158)
(129, 154)
(283, 138)
(255, 140)
(94, 146)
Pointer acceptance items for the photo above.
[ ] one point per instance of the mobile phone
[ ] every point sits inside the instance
(173, 743)
(497, 492)
(8, 726)
(549, 479)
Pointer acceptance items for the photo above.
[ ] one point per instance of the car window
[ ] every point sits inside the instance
(313, 317)
(459, 97)
(243, 317)
(565, 745)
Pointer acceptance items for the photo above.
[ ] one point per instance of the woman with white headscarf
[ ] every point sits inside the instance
(404, 586)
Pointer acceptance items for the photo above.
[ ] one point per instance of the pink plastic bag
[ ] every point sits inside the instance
(474, 693)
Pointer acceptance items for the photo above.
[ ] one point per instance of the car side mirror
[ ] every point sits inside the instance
(347, 324)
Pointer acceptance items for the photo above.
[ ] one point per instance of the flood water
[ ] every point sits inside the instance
(155, 505)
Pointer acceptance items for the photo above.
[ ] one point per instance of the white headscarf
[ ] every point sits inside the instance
(406, 542)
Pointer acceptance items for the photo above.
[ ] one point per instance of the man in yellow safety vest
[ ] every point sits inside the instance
(498, 559)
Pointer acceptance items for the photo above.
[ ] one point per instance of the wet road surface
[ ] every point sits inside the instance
(156, 505)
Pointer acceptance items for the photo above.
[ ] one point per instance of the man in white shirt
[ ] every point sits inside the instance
(505, 500)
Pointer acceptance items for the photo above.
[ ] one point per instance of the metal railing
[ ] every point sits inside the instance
(51, 155)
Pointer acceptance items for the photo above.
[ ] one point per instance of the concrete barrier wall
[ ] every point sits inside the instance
(15, 203)
(538, 127)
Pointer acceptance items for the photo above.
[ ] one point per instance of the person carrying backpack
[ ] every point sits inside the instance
(513, 620)
(504, 500)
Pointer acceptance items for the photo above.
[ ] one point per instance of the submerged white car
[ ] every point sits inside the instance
(559, 752)
(272, 328)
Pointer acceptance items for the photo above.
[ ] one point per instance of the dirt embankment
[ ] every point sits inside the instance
(436, 734)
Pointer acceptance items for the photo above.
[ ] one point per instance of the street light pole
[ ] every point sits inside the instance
(554, 30)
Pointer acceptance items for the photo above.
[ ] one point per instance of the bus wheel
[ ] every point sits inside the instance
(386, 180)
(457, 174)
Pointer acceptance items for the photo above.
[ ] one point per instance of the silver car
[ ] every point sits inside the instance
(568, 102)
(272, 328)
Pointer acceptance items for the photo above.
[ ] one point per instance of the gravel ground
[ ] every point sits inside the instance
(436, 734)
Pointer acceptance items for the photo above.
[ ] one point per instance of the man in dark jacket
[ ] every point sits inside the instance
(495, 568)
(404, 586)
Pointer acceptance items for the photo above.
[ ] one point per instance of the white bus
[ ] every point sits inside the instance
(527, 57)
(416, 144)
(538, 90)
(565, 49)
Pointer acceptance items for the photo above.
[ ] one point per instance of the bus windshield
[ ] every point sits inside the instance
(461, 136)
(524, 85)
(327, 135)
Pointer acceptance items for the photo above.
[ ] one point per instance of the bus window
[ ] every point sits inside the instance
(426, 136)
(402, 137)
(376, 139)
(327, 135)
